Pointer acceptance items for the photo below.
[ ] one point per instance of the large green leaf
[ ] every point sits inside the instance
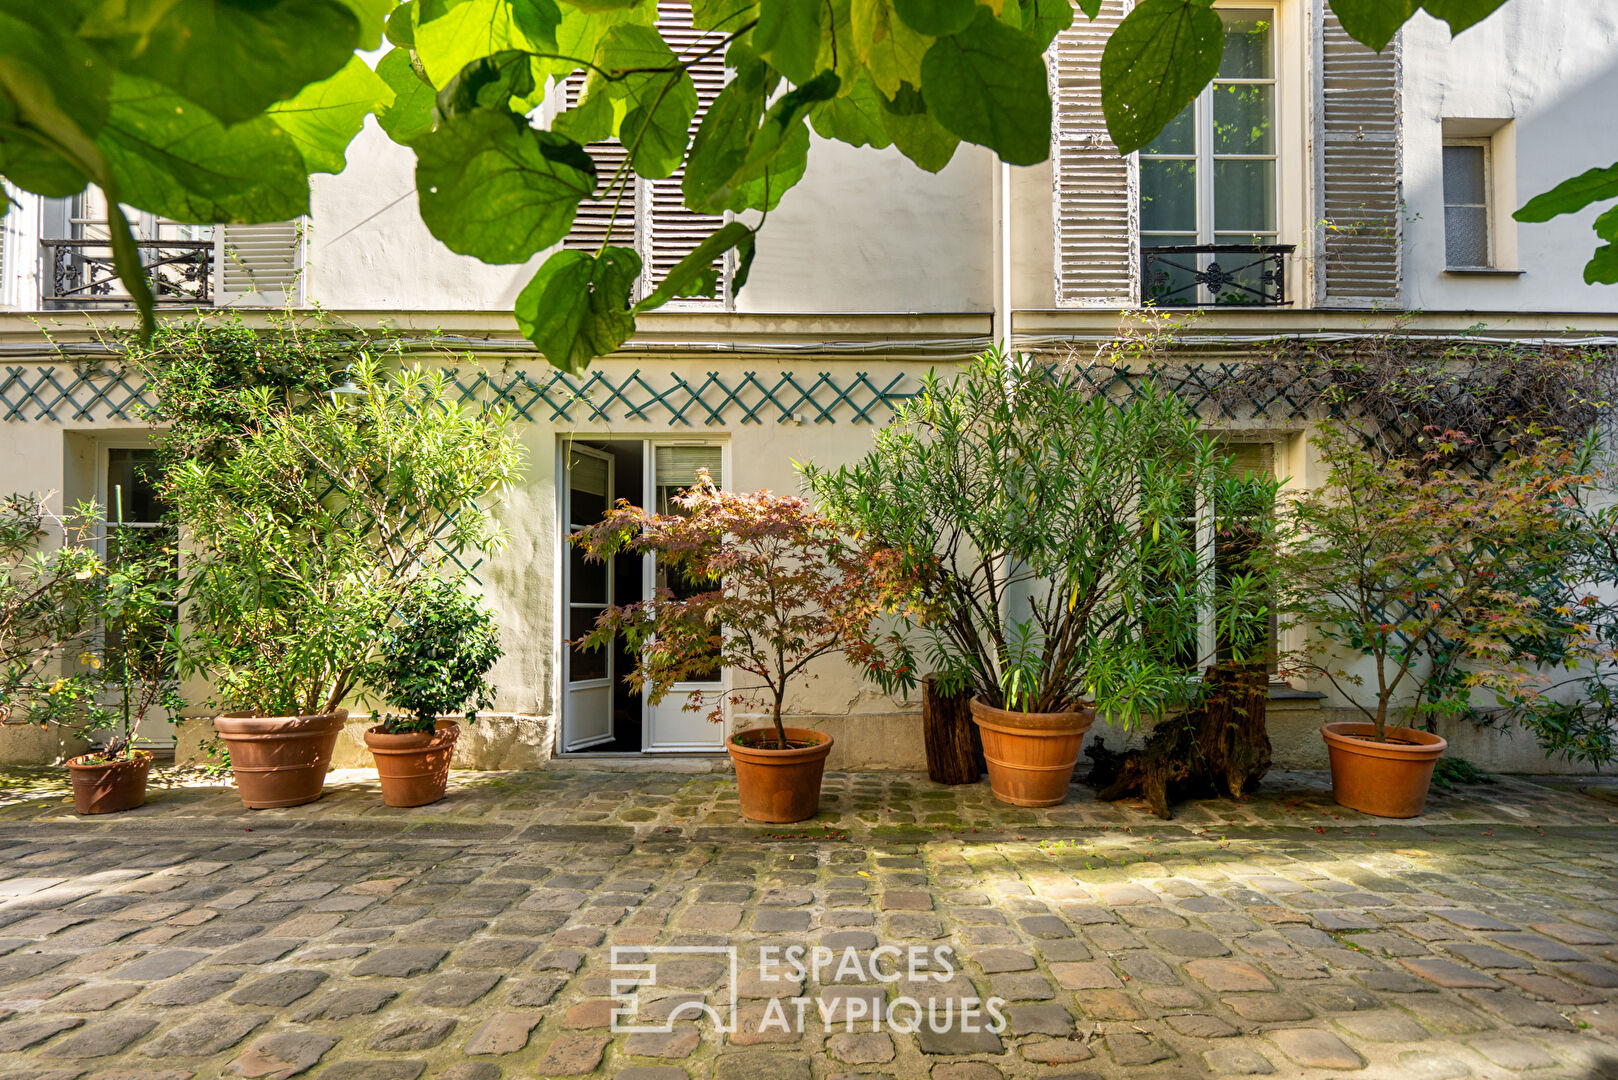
(1373, 22)
(719, 147)
(1602, 269)
(698, 273)
(172, 158)
(410, 115)
(324, 117)
(373, 19)
(1044, 19)
(1593, 185)
(761, 188)
(234, 57)
(987, 85)
(478, 28)
(576, 308)
(890, 50)
(937, 18)
(726, 16)
(788, 36)
(854, 118)
(495, 188)
(489, 82)
(580, 33)
(658, 96)
(919, 137)
(1155, 64)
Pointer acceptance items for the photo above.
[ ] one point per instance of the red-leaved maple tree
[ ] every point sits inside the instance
(770, 586)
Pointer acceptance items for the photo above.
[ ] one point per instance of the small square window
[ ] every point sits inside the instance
(1466, 204)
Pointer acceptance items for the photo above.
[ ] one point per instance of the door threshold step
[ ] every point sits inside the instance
(636, 762)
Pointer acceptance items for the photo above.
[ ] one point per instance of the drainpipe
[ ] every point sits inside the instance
(1003, 306)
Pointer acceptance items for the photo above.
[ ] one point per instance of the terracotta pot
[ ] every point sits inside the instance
(279, 760)
(109, 786)
(1387, 779)
(413, 768)
(1031, 755)
(779, 785)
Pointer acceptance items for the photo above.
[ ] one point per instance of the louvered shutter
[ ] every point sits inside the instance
(1097, 219)
(257, 265)
(671, 231)
(595, 219)
(1358, 130)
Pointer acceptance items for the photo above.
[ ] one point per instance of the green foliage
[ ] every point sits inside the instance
(1050, 540)
(310, 511)
(1396, 559)
(435, 656)
(219, 110)
(1571, 196)
(1451, 771)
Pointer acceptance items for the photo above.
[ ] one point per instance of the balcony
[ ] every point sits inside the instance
(1215, 275)
(80, 273)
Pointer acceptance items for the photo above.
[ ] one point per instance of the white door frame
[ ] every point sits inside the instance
(596, 686)
(648, 442)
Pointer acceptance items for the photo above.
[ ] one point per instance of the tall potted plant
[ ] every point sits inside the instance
(775, 588)
(1392, 557)
(1054, 537)
(312, 487)
(440, 646)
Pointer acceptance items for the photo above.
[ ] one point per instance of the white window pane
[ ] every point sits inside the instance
(1244, 196)
(1248, 51)
(1466, 236)
(1168, 196)
(1243, 118)
(1179, 137)
(1463, 175)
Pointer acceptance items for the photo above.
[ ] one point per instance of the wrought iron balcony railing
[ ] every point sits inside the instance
(1215, 275)
(80, 273)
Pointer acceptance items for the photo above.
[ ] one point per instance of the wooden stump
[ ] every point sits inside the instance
(1219, 747)
(954, 748)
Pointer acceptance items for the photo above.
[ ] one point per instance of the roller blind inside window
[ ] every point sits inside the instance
(677, 466)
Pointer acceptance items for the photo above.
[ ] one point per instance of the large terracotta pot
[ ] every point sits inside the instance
(107, 787)
(413, 768)
(279, 760)
(779, 785)
(1031, 755)
(1387, 779)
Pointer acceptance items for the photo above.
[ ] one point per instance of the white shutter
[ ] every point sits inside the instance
(1096, 212)
(671, 231)
(595, 224)
(258, 265)
(1359, 181)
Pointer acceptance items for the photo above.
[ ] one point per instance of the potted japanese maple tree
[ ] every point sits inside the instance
(435, 656)
(774, 588)
(1393, 558)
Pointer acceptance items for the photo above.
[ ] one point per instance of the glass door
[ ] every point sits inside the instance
(587, 718)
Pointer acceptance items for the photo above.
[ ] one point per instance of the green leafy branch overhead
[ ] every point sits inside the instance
(218, 111)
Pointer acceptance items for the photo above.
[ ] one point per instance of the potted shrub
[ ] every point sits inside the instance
(437, 651)
(775, 589)
(312, 488)
(1394, 558)
(1051, 538)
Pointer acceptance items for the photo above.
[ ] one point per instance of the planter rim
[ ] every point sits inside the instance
(136, 757)
(1354, 737)
(1067, 720)
(376, 737)
(244, 723)
(822, 742)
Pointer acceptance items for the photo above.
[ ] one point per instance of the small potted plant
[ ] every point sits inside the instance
(773, 588)
(434, 658)
(1392, 558)
(1052, 535)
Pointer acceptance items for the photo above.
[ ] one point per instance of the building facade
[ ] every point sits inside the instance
(1316, 189)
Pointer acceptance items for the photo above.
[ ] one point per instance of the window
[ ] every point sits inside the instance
(1467, 242)
(652, 217)
(1210, 177)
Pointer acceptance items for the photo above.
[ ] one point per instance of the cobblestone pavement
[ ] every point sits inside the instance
(472, 940)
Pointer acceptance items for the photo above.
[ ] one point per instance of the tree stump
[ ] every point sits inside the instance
(954, 748)
(1218, 747)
